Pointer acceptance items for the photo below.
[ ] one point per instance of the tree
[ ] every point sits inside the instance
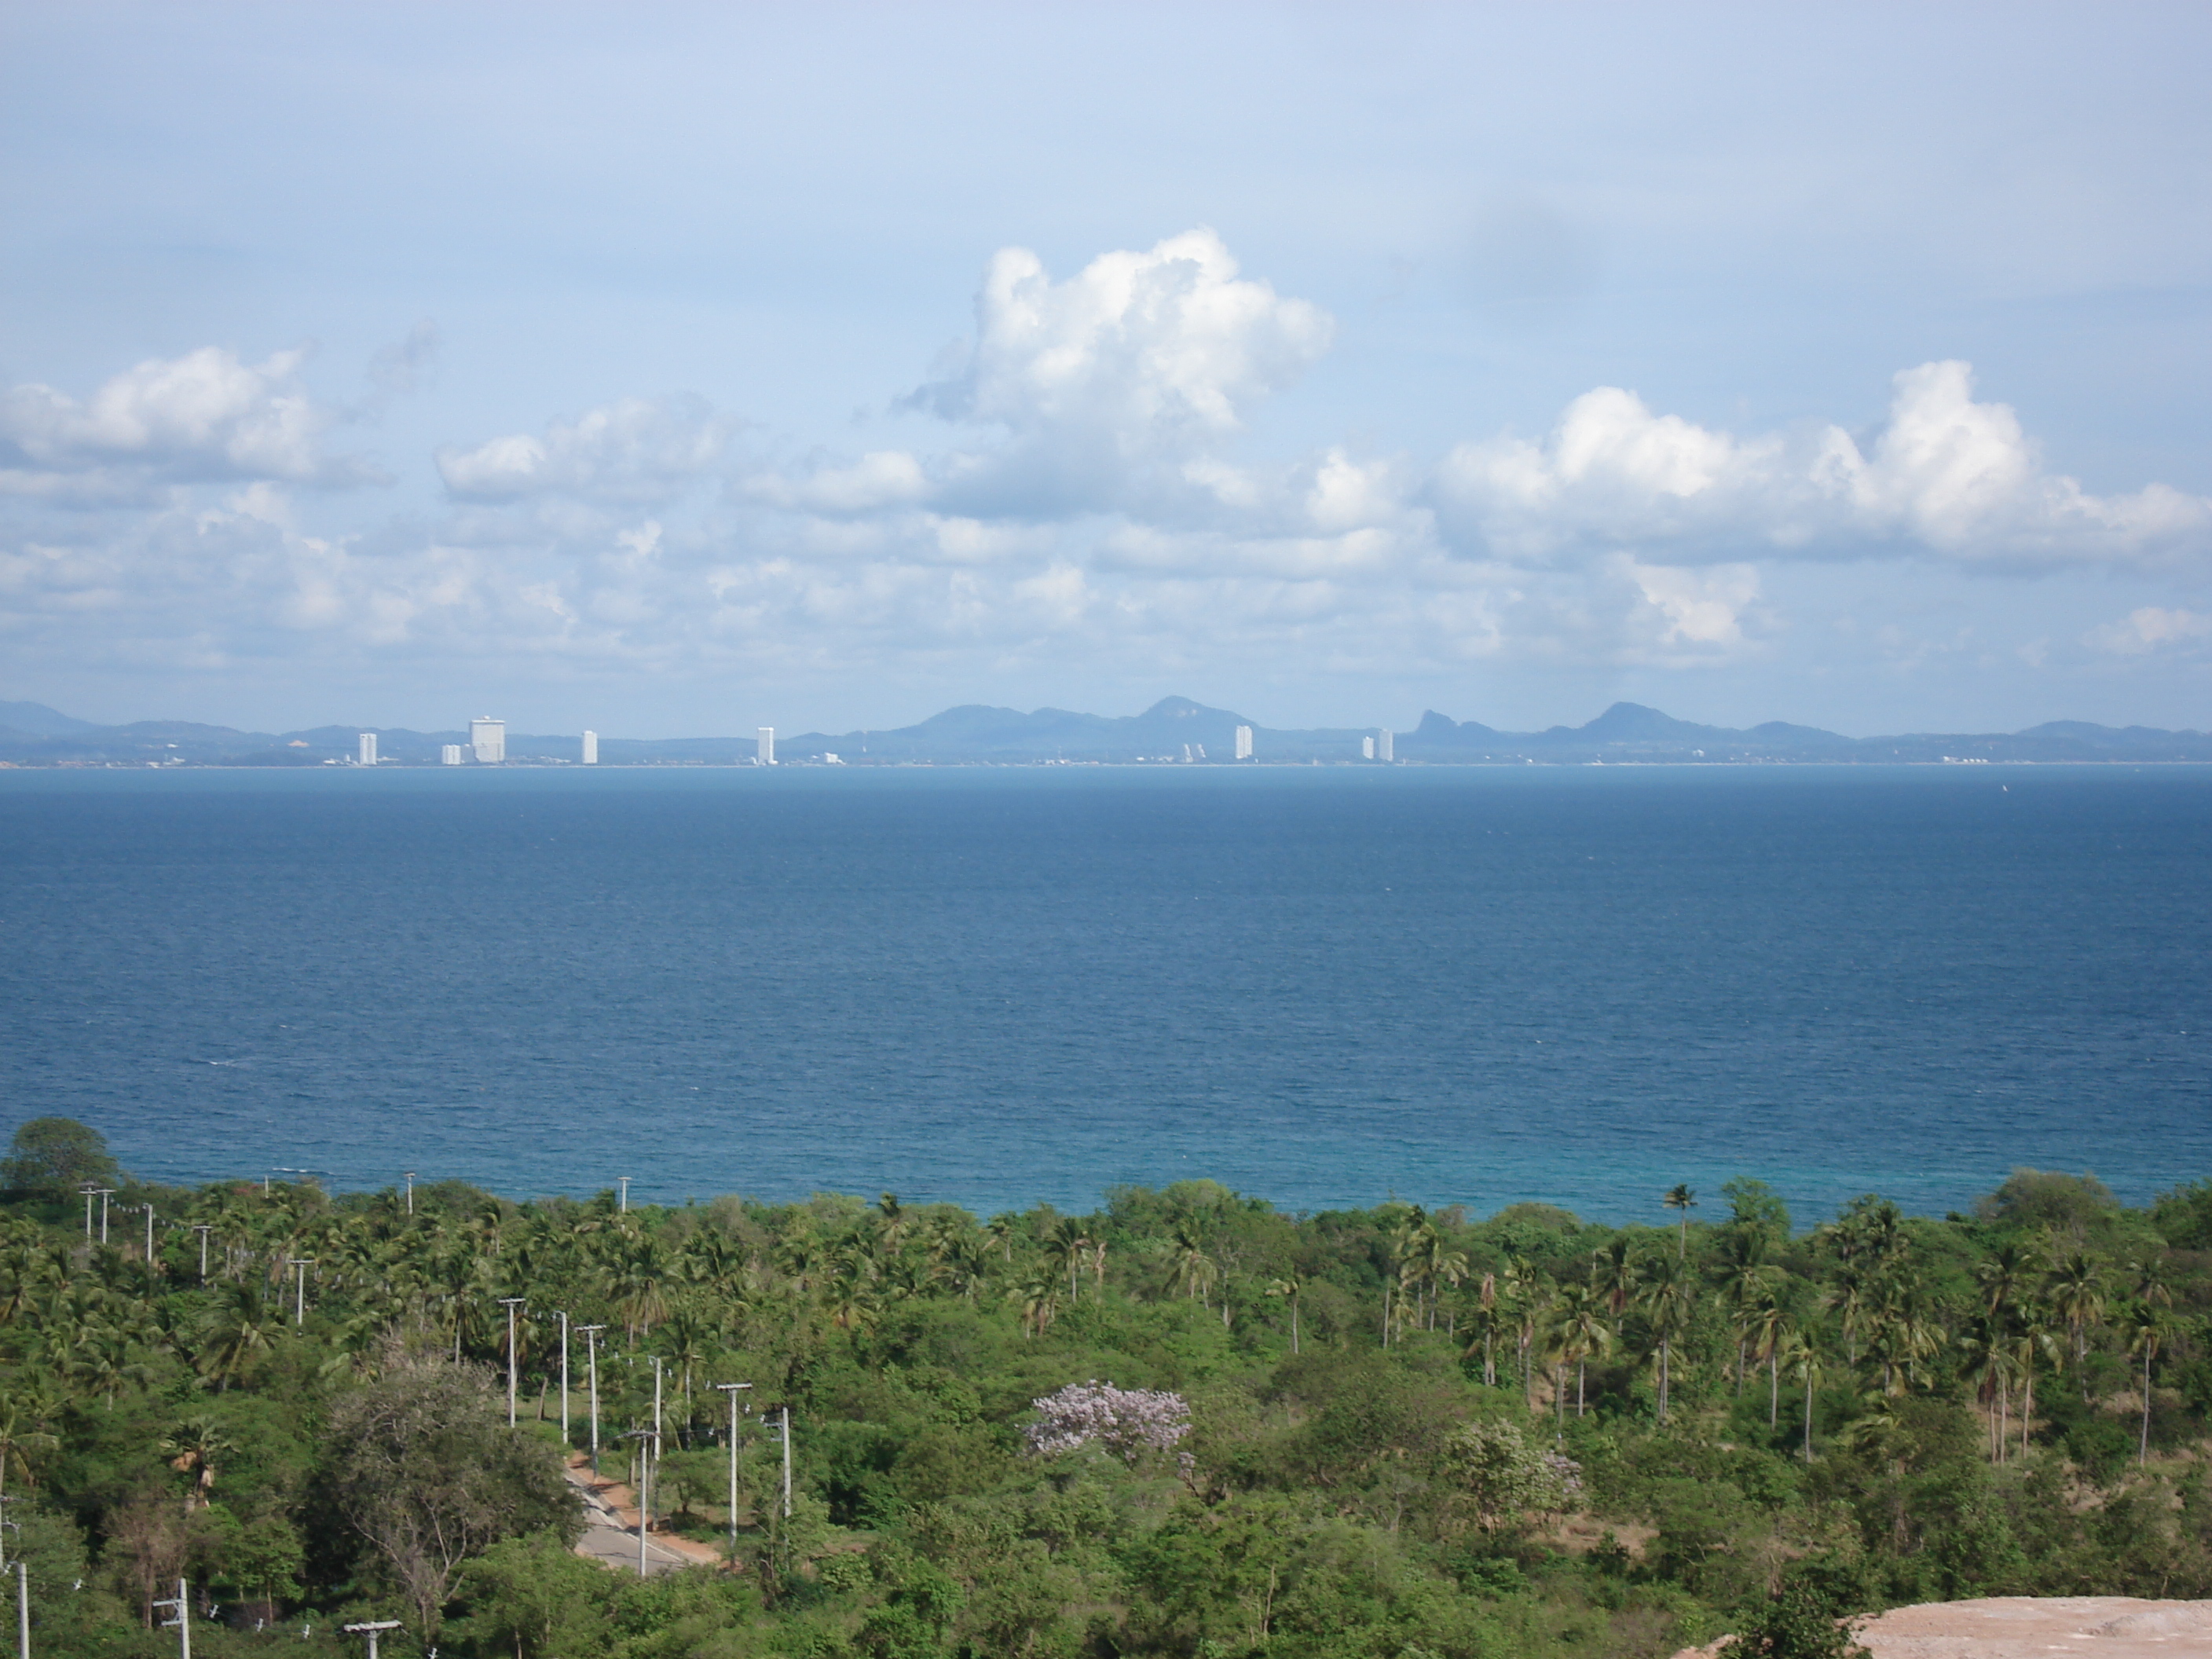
(2076, 1293)
(2146, 1330)
(1288, 1287)
(426, 1470)
(1683, 1198)
(1669, 1298)
(56, 1155)
(1503, 1478)
(1581, 1329)
(533, 1597)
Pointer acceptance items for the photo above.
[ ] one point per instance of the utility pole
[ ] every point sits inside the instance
(410, 1210)
(656, 1402)
(731, 1389)
(591, 1350)
(106, 1192)
(372, 1631)
(203, 1229)
(184, 1624)
(510, 1302)
(623, 1206)
(88, 1189)
(150, 1236)
(564, 1382)
(785, 1412)
(644, 1489)
(22, 1611)
(299, 1264)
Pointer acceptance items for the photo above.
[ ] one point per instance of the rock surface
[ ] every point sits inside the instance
(2031, 1627)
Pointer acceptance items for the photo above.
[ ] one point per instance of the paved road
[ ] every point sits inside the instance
(610, 1532)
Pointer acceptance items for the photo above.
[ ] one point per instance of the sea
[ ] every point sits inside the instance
(1001, 986)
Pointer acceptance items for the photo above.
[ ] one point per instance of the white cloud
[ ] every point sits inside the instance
(632, 450)
(1140, 358)
(2149, 628)
(204, 415)
(1946, 477)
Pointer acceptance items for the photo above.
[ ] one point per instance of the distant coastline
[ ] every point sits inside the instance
(1173, 731)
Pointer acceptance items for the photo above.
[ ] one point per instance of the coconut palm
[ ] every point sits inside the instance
(242, 1326)
(1669, 1299)
(1190, 1266)
(2076, 1290)
(1770, 1327)
(192, 1448)
(1683, 1198)
(1582, 1330)
(2146, 1325)
(1802, 1361)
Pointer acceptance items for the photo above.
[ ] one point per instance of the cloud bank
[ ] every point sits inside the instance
(1094, 500)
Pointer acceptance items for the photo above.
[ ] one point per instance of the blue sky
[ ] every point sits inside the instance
(674, 370)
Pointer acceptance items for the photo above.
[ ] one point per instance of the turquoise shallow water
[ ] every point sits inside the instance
(998, 986)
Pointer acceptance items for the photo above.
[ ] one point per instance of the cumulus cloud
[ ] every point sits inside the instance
(1091, 504)
(1946, 476)
(206, 415)
(1138, 362)
(634, 450)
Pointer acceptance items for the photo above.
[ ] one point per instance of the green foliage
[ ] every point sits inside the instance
(2047, 1199)
(1371, 1494)
(56, 1155)
(1803, 1619)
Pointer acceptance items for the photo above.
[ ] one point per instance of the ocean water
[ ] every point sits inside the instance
(1322, 986)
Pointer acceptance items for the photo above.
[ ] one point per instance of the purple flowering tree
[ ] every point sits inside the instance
(1128, 1422)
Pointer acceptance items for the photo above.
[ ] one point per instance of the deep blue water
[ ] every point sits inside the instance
(1324, 986)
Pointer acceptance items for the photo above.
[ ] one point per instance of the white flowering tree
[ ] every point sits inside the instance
(1128, 1422)
(1504, 1478)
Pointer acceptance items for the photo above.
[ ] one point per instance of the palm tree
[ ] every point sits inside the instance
(1669, 1298)
(21, 1415)
(192, 1448)
(1746, 1281)
(1770, 1326)
(1040, 1303)
(1681, 1197)
(2005, 1277)
(1582, 1329)
(1985, 1363)
(1802, 1360)
(1189, 1264)
(241, 1326)
(2076, 1294)
(2032, 1340)
(1064, 1247)
(2147, 1329)
(1524, 1289)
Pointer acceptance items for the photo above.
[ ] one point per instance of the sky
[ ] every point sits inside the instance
(671, 370)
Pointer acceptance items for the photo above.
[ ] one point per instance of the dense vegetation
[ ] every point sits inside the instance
(1379, 1433)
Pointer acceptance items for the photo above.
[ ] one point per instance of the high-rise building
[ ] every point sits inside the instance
(368, 749)
(1386, 746)
(450, 755)
(767, 756)
(488, 738)
(1243, 743)
(590, 748)
(1367, 749)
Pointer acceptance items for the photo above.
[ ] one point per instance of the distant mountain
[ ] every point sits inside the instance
(1163, 731)
(36, 720)
(1631, 732)
(1172, 729)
